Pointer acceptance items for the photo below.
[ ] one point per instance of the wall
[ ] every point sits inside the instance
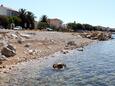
(3, 11)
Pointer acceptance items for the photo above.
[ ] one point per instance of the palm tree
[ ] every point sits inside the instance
(30, 19)
(22, 15)
(43, 23)
(44, 18)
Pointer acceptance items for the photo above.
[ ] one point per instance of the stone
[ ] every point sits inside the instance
(97, 35)
(88, 36)
(8, 50)
(80, 49)
(14, 35)
(2, 57)
(27, 45)
(0, 63)
(32, 51)
(25, 36)
(20, 40)
(59, 66)
(64, 51)
(71, 43)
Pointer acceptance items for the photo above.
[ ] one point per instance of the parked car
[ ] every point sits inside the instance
(18, 28)
(49, 29)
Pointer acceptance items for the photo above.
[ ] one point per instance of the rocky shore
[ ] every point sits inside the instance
(22, 46)
(97, 35)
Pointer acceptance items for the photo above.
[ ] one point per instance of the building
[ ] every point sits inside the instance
(4, 11)
(55, 22)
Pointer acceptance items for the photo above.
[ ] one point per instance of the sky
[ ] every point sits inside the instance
(94, 12)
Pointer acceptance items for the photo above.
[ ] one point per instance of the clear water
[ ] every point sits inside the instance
(95, 66)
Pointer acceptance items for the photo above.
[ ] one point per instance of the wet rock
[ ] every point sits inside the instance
(59, 66)
(8, 50)
(80, 49)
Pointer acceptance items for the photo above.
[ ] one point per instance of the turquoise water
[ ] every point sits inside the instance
(95, 66)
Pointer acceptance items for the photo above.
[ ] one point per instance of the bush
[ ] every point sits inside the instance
(42, 25)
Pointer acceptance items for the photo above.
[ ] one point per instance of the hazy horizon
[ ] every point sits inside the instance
(94, 12)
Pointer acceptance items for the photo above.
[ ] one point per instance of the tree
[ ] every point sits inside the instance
(71, 26)
(17, 20)
(43, 24)
(22, 15)
(13, 21)
(27, 18)
(4, 21)
(88, 27)
(43, 18)
(79, 26)
(30, 19)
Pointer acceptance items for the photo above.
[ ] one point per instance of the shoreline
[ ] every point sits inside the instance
(57, 42)
(9, 68)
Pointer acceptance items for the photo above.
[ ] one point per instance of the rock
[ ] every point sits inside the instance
(2, 57)
(8, 50)
(99, 35)
(0, 63)
(64, 51)
(25, 36)
(10, 46)
(88, 36)
(79, 36)
(59, 66)
(80, 49)
(27, 45)
(32, 51)
(14, 35)
(71, 43)
(19, 41)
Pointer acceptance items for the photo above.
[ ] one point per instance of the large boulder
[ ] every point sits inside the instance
(8, 50)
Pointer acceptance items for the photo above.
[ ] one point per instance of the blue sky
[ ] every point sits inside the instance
(95, 12)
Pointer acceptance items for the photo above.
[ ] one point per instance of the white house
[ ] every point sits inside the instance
(7, 11)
